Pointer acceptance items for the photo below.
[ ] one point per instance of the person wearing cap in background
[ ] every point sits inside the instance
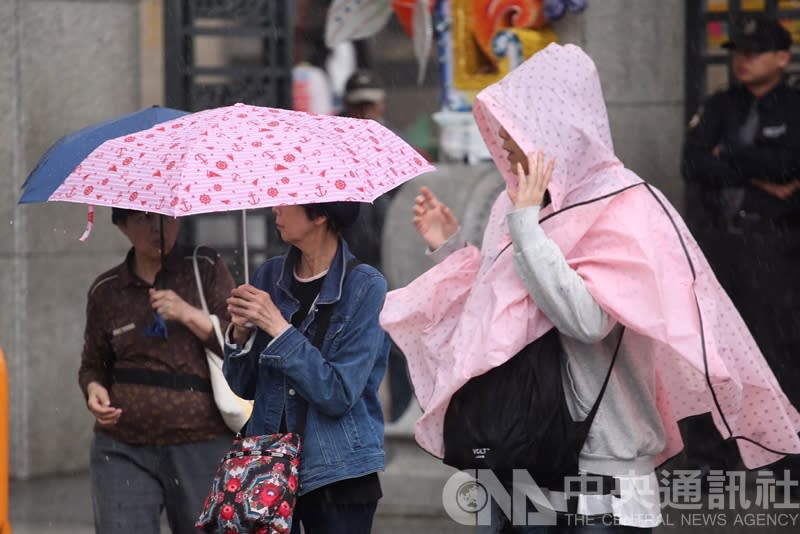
(365, 98)
(325, 388)
(741, 164)
(158, 435)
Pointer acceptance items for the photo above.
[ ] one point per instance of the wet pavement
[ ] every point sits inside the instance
(413, 484)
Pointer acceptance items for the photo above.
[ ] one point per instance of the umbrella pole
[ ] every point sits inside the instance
(244, 248)
(163, 255)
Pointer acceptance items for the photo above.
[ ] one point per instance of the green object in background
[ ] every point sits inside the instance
(419, 135)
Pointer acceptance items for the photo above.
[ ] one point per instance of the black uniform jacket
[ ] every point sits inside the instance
(774, 155)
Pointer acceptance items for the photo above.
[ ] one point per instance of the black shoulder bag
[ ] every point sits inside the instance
(515, 416)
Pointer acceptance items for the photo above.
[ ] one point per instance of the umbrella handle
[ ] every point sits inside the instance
(246, 255)
(163, 253)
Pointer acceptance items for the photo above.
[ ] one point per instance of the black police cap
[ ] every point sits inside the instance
(758, 33)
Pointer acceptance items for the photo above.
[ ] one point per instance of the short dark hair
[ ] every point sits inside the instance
(119, 215)
(340, 215)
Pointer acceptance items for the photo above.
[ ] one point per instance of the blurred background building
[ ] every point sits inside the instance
(66, 64)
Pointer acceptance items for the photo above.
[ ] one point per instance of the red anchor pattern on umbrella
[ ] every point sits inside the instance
(244, 157)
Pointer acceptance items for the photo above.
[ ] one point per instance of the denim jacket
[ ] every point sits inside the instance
(343, 436)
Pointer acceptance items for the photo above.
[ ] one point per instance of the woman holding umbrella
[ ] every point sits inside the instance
(158, 436)
(323, 386)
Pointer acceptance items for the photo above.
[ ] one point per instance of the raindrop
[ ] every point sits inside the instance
(177, 482)
(11, 222)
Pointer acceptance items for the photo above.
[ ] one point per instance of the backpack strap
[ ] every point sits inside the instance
(596, 406)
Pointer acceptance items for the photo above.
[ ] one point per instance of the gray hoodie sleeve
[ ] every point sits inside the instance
(555, 287)
(453, 243)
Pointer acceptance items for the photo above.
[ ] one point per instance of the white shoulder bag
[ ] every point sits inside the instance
(235, 410)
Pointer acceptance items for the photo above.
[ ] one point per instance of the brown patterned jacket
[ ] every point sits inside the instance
(117, 312)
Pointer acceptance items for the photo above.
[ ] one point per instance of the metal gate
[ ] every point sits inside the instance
(218, 53)
(707, 22)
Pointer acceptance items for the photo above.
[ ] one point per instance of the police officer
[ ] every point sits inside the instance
(741, 163)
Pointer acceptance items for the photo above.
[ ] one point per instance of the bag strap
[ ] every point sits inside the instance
(596, 406)
(214, 319)
(590, 416)
(149, 377)
(324, 314)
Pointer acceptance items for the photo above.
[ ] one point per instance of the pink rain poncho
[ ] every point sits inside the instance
(472, 312)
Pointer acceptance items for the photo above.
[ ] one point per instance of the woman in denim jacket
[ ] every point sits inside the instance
(270, 357)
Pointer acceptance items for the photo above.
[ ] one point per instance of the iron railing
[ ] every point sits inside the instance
(218, 53)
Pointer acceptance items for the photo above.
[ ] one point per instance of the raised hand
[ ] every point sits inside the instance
(434, 221)
(533, 185)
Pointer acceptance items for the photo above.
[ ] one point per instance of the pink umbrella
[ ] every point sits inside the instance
(243, 157)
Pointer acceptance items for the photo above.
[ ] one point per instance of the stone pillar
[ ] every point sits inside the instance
(66, 65)
(639, 48)
(151, 52)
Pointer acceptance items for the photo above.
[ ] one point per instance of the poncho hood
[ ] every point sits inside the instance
(554, 102)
